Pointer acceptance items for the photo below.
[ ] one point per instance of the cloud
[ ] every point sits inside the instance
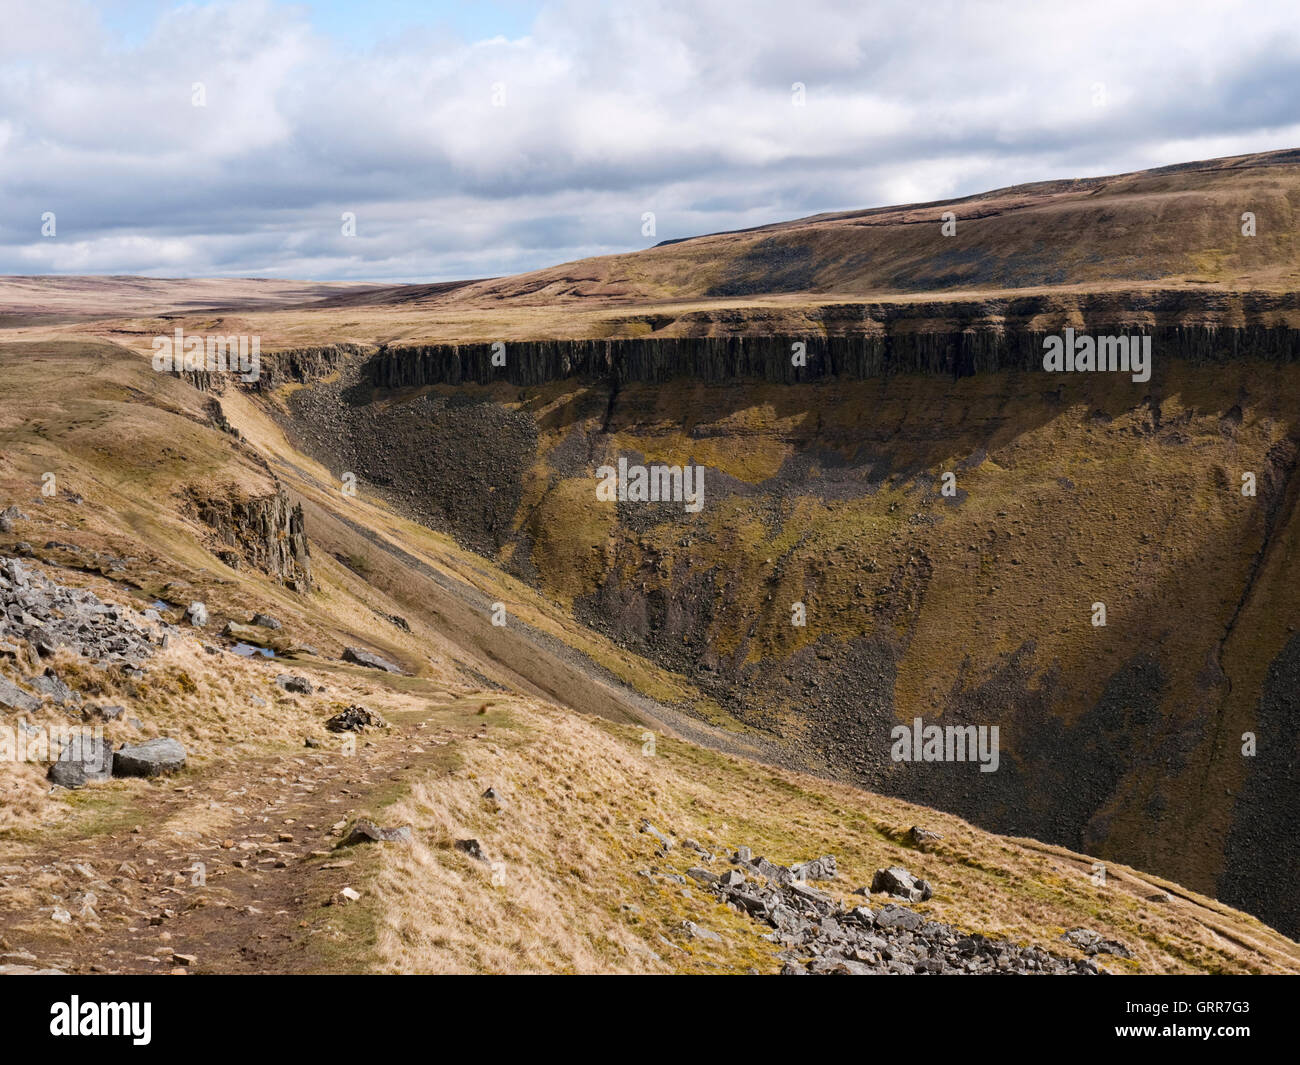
(688, 110)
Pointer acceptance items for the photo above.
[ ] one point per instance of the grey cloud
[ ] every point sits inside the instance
(679, 108)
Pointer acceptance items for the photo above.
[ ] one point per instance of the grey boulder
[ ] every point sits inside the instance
(13, 697)
(901, 884)
(86, 759)
(369, 832)
(818, 869)
(149, 759)
(369, 659)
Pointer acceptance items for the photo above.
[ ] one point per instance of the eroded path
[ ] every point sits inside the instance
(233, 868)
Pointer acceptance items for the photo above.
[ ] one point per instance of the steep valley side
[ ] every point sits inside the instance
(972, 608)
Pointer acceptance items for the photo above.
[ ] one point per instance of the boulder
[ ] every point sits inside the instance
(898, 882)
(149, 759)
(891, 916)
(108, 711)
(369, 659)
(772, 871)
(13, 697)
(48, 683)
(250, 634)
(696, 931)
(919, 836)
(266, 621)
(84, 760)
(291, 683)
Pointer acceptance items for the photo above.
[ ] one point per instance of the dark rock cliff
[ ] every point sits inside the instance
(265, 531)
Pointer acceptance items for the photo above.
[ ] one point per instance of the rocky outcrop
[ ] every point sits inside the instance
(304, 365)
(355, 718)
(47, 616)
(266, 531)
(818, 935)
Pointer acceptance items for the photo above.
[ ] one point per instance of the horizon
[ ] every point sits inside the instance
(383, 282)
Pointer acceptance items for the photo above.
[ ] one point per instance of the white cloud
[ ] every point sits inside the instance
(678, 107)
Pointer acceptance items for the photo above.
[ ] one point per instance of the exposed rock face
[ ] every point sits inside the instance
(417, 454)
(708, 595)
(870, 340)
(303, 365)
(265, 531)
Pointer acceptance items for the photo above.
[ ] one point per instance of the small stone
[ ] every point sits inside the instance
(473, 848)
(368, 832)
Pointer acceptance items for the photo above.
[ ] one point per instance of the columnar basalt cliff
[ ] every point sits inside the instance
(266, 531)
(797, 358)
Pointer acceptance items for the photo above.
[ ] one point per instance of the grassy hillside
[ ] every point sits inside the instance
(263, 813)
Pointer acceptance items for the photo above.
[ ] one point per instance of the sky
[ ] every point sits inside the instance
(425, 141)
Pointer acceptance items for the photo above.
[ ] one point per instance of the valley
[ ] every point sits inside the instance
(1083, 580)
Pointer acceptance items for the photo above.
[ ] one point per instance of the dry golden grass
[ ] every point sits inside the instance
(572, 793)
